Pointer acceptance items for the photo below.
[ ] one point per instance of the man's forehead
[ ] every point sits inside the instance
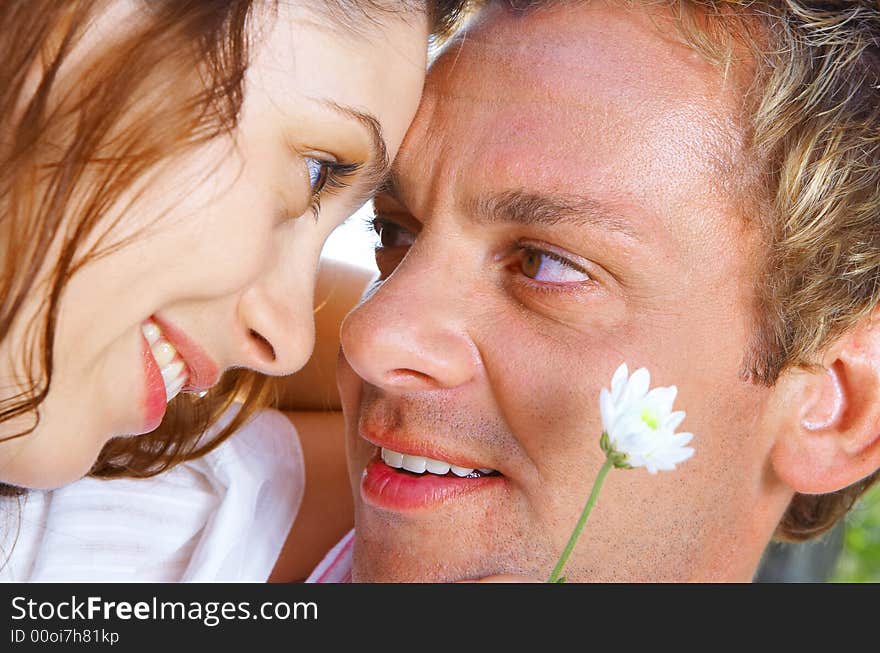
(572, 96)
(549, 45)
(573, 59)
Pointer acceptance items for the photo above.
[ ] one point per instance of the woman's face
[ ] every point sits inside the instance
(219, 257)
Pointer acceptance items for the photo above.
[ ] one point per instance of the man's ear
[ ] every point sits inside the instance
(827, 419)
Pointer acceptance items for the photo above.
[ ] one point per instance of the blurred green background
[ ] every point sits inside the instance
(859, 561)
(848, 553)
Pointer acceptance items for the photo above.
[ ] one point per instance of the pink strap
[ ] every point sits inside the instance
(336, 565)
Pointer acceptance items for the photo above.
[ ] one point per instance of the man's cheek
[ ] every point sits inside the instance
(550, 406)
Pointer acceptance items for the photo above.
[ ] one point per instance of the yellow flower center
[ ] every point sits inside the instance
(650, 419)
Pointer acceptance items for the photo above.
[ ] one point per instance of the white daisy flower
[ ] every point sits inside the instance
(638, 424)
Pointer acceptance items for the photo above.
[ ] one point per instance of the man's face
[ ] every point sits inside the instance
(564, 202)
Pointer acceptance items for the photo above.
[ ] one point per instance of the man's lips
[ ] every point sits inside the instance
(418, 447)
(393, 489)
(203, 371)
(409, 476)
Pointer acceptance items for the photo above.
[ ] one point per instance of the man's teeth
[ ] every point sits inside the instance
(437, 467)
(173, 369)
(420, 465)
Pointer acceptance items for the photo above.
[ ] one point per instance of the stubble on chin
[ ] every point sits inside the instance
(443, 559)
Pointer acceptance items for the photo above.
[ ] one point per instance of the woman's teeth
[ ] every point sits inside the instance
(420, 465)
(173, 369)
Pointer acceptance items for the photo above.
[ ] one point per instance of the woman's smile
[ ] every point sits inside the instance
(173, 362)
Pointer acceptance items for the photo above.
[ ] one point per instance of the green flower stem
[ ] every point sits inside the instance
(557, 570)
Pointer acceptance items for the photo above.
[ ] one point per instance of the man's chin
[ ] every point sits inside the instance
(373, 567)
(387, 559)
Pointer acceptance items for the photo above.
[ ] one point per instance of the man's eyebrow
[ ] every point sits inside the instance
(379, 164)
(524, 207)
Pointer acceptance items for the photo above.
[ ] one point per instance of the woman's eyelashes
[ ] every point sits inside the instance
(327, 176)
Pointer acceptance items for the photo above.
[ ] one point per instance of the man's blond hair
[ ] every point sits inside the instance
(814, 120)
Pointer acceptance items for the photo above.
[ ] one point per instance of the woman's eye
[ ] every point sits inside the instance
(550, 268)
(391, 235)
(319, 171)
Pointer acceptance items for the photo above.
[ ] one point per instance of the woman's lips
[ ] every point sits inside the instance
(203, 371)
(393, 489)
(200, 372)
(154, 398)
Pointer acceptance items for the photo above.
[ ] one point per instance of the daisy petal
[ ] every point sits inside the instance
(662, 398)
(682, 439)
(674, 420)
(637, 386)
(606, 409)
(618, 381)
(686, 452)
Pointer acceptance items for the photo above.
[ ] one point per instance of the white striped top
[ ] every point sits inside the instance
(336, 565)
(223, 517)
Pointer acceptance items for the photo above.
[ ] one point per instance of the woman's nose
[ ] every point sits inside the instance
(276, 311)
(280, 331)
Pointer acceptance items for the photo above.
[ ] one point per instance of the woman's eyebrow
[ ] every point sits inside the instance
(390, 186)
(376, 170)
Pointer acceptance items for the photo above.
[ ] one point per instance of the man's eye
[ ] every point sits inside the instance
(547, 267)
(391, 235)
(319, 171)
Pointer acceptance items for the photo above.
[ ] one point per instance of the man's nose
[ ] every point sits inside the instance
(277, 316)
(410, 335)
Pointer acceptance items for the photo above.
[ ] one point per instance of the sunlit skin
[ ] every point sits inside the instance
(225, 254)
(491, 335)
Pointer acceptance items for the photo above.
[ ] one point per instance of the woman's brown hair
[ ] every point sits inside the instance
(70, 151)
